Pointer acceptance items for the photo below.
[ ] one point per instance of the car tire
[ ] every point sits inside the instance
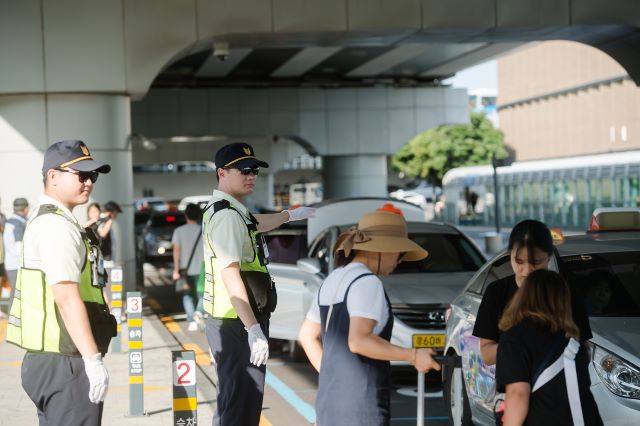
(296, 352)
(455, 397)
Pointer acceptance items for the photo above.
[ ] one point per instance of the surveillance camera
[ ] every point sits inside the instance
(221, 51)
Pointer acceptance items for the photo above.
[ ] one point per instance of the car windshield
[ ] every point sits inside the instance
(168, 221)
(609, 283)
(447, 253)
(286, 248)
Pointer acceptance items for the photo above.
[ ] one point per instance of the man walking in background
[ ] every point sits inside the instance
(12, 238)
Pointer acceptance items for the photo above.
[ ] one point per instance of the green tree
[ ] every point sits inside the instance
(431, 154)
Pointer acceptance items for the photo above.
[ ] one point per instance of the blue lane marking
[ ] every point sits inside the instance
(291, 397)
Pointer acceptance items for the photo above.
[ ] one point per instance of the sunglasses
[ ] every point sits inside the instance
(248, 171)
(83, 176)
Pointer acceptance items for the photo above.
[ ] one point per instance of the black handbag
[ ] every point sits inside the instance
(261, 290)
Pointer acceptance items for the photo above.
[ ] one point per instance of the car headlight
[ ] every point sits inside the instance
(621, 377)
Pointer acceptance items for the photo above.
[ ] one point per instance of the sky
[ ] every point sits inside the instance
(481, 76)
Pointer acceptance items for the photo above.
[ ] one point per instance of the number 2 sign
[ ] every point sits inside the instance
(184, 373)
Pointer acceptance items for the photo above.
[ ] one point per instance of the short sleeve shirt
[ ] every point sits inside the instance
(54, 245)
(497, 297)
(527, 349)
(186, 237)
(366, 297)
(227, 233)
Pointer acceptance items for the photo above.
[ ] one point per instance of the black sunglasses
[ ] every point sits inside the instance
(247, 170)
(83, 176)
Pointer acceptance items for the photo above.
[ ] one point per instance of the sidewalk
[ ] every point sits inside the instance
(17, 408)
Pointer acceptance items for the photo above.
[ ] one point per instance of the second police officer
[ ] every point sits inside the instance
(239, 295)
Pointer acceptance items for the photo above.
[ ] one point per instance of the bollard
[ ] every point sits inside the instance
(492, 242)
(115, 275)
(185, 398)
(134, 328)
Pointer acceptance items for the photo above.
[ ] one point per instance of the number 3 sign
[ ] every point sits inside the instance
(134, 305)
(184, 373)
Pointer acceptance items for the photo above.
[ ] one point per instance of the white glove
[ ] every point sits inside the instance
(98, 377)
(258, 345)
(300, 213)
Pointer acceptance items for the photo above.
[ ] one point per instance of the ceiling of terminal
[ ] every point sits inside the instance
(336, 59)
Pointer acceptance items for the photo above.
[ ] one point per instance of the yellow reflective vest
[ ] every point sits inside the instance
(254, 274)
(35, 323)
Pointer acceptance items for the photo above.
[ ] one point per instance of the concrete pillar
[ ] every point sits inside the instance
(30, 123)
(354, 176)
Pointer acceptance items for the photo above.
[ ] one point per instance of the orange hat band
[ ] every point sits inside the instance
(68, 163)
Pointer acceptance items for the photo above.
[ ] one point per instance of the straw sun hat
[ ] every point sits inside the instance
(381, 232)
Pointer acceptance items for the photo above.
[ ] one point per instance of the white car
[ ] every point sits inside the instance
(603, 268)
(419, 292)
(199, 200)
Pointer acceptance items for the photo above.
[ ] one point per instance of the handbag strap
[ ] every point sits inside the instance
(193, 250)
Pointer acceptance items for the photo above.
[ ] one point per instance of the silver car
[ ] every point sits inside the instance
(604, 270)
(419, 292)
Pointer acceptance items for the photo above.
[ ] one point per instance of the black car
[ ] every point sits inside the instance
(154, 241)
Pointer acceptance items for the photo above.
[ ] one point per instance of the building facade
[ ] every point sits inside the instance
(561, 99)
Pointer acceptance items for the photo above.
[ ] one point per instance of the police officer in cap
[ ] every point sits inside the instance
(58, 313)
(239, 294)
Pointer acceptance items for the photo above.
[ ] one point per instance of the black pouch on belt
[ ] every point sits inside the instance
(103, 325)
(261, 291)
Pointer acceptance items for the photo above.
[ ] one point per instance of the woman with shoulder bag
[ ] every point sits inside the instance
(541, 363)
(347, 330)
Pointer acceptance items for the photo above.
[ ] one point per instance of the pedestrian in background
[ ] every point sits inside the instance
(239, 294)
(187, 258)
(109, 232)
(541, 365)
(530, 248)
(347, 331)
(58, 313)
(12, 238)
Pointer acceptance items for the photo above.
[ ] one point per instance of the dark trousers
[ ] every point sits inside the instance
(59, 388)
(240, 384)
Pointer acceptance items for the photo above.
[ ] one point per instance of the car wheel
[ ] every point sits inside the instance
(455, 397)
(296, 352)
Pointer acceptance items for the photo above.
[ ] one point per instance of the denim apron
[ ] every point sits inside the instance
(353, 389)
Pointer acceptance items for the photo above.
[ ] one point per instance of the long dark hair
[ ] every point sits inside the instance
(544, 299)
(531, 234)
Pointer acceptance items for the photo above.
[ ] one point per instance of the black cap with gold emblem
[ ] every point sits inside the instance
(73, 154)
(238, 156)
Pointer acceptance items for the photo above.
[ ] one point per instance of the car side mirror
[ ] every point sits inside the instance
(310, 265)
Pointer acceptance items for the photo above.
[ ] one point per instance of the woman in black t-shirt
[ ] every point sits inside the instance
(537, 326)
(530, 247)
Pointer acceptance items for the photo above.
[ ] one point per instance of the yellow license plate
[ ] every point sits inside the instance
(428, 340)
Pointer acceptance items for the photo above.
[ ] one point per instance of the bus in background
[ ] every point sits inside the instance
(560, 192)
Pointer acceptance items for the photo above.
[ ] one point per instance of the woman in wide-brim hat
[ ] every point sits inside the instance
(347, 330)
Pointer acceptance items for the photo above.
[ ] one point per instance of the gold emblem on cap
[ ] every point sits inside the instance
(84, 150)
(247, 151)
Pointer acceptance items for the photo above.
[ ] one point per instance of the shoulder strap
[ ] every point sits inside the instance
(326, 327)
(193, 250)
(566, 361)
(545, 364)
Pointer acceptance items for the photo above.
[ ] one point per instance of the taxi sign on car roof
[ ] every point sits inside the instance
(615, 219)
